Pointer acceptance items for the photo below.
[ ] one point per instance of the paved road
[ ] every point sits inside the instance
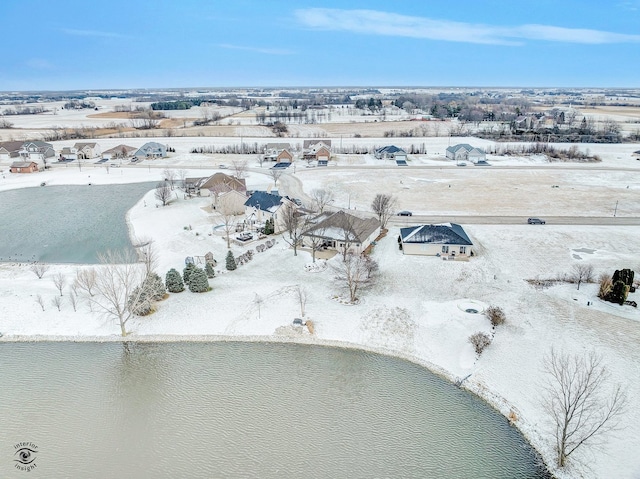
(516, 220)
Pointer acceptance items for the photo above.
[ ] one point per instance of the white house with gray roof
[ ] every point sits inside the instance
(466, 152)
(339, 231)
(448, 240)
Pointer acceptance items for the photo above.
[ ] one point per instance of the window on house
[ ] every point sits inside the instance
(445, 249)
(463, 250)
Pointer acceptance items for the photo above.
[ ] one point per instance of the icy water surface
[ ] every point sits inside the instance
(250, 410)
(66, 224)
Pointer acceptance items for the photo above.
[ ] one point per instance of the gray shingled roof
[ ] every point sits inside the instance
(449, 233)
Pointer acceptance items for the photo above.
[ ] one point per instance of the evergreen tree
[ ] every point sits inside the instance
(198, 282)
(156, 287)
(174, 281)
(187, 272)
(231, 261)
(209, 270)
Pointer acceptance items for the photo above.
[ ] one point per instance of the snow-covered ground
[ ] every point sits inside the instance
(416, 310)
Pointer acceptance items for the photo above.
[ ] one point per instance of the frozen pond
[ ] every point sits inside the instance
(66, 224)
(236, 409)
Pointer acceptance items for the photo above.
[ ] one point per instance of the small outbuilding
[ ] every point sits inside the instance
(23, 167)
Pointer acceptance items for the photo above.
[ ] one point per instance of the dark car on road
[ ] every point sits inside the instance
(535, 221)
(405, 213)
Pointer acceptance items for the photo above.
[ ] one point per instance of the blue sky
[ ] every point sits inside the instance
(97, 44)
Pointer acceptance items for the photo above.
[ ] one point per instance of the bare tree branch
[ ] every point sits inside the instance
(576, 400)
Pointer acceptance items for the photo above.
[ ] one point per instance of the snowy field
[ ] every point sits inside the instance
(417, 309)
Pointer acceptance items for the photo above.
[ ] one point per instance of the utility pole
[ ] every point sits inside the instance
(616, 209)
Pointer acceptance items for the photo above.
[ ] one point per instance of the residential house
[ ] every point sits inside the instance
(390, 152)
(221, 183)
(10, 149)
(230, 202)
(119, 152)
(466, 152)
(23, 167)
(37, 151)
(448, 240)
(342, 231)
(152, 149)
(261, 206)
(278, 152)
(316, 150)
(88, 151)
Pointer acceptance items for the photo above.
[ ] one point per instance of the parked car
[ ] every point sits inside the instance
(535, 221)
(405, 213)
(223, 167)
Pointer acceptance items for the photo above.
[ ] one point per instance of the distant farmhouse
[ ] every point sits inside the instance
(339, 231)
(466, 152)
(278, 152)
(151, 150)
(448, 240)
(319, 150)
(390, 152)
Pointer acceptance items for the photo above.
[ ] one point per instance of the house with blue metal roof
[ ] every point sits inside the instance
(448, 240)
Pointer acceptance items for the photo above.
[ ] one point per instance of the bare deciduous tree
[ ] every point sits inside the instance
(240, 168)
(85, 280)
(582, 273)
(170, 176)
(225, 209)
(321, 199)
(575, 397)
(57, 302)
(383, 206)
(301, 294)
(182, 175)
(479, 341)
(147, 254)
(120, 286)
(163, 193)
(73, 299)
(59, 281)
(353, 273)
(39, 269)
(294, 225)
(275, 173)
(257, 300)
(40, 301)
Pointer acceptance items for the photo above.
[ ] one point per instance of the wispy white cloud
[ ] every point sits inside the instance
(374, 22)
(266, 51)
(92, 33)
(39, 64)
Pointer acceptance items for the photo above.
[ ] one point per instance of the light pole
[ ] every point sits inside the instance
(616, 209)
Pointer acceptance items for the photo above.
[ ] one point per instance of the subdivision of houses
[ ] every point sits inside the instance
(278, 152)
(341, 231)
(119, 152)
(390, 152)
(448, 240)
(261, 206)
(152, 149)
(466, 152)
(319, 150)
